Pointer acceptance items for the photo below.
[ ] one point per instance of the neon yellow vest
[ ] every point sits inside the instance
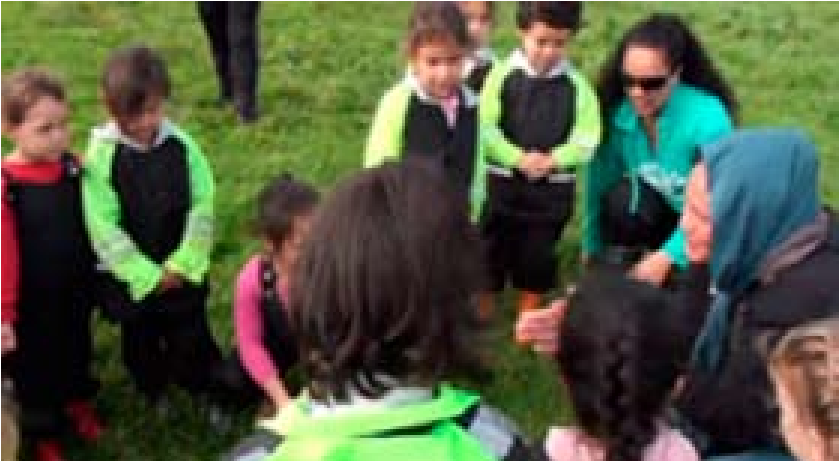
(426, 431)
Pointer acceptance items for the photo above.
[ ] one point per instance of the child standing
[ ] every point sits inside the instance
(539, 121)
(265, 345)
(620, 368)
(148, 199)
(430, 114)
(480, 18)
(381, 302)
(48, 267)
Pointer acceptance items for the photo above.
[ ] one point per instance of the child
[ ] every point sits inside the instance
(430, 114)
(805, 371)
(148, 199)
(539, 121)
(480, 17)
(48, 267)
(620, 367)
(264, 341)
(381, 303)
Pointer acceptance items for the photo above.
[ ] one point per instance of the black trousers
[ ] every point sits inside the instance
(233, 31)
(51, 366)
(521, 228)
(170, 342)
(636, 218)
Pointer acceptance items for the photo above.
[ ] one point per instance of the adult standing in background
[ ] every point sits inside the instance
(233, 31)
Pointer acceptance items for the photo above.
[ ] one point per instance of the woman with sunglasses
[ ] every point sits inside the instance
(661, 99)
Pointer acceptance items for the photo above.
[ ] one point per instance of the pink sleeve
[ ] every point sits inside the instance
(247, 322)
(676, 447)
(560, 444)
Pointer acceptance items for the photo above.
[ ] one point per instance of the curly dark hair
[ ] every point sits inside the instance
(385, 284)
(280, 202)
(619, 362)
(682, 49)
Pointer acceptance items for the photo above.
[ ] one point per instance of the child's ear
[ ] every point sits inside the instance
(106, 102)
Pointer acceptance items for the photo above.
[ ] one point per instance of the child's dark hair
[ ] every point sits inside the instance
(620, 361)
(681, 48)
(279, 203)
(22, 90)
(134, 76)
(385, 284)
(557, 15)
(435, 21)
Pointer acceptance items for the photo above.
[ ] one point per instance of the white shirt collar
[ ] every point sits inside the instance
(519, 61)
(480, 56)
(470, 99)
(396, 396)
(166, 130)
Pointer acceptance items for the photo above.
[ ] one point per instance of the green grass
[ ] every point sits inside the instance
(324, 66)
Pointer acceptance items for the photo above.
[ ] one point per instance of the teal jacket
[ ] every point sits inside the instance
(689, 119)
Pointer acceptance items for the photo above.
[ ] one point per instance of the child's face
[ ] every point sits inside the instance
(801, 436)
(289, 249)
(142, 128)
(544, 46)
(438, 66)
(43, 134)
(478, 20)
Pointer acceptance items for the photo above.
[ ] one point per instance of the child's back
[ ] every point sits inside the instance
(620, 355)
(381, 302)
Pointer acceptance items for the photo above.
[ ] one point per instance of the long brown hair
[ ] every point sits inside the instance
(385, 284)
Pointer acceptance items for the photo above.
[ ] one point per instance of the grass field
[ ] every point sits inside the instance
(324, 66)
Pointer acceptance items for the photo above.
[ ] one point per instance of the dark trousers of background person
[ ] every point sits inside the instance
(633, 221)
(233, 31)
(169, 340)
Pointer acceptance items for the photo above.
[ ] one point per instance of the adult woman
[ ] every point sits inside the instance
(661, 98)
(753, 219)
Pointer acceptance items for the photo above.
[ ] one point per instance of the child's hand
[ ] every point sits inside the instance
(545, 163)
(653, 269)
(8, 340)
(540, 327)
(169, 281)
(530, 164)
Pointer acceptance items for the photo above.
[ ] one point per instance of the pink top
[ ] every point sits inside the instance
(247, 321)
(566, 444)
(450, 106)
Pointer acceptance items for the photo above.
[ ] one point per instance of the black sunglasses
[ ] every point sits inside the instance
(645, 83)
